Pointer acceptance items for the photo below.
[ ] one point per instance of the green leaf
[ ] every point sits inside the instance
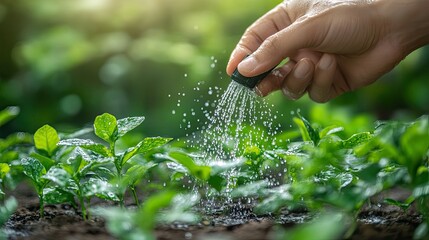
(147, 214)
(99, 188)
(15, 139)
(307, 132)
(127, 124)
(57, 196)
(7, 210)
(144, 146)
(135, 173)
(8, 114)
(200, 172)
(46, 139)
(4, 169)
(356, 139)
(106, 127)
(277, 197)
(121, 223)
(61, 178)
(257, 189)
(33, 169)
(421, 191)
(179, 210)
(86, 144)
(327, 227)
(45, 161)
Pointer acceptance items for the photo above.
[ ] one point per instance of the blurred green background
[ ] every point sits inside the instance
(65, 61)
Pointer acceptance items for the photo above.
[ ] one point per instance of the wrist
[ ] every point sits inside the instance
(406, 22)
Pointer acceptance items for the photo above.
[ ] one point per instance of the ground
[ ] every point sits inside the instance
(376, 221)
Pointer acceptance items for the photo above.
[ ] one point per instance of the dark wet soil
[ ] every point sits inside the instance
(375, 221)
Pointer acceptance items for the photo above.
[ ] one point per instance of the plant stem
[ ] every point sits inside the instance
(81, 201)
(136, 199)
(42, 204)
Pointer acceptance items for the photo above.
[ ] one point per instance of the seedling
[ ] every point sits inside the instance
(126, 175)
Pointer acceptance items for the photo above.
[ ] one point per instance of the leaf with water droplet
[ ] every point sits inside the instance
(46, 139)
(127, 124)
(87, 144)
(144, 146)
(307, 131)
(99, 188)
(54, 195)
(200, 172)
(61, 178)
(135, 173)
(33, 169)
(356, 139)
(106, 127)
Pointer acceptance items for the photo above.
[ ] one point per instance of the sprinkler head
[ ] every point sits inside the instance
(249, 82)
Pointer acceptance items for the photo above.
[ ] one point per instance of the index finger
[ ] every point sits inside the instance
(269, 24)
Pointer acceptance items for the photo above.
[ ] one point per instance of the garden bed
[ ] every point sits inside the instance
(375, 221)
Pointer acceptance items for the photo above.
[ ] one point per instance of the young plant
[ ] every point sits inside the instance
(12, 148)
(40, 161)
(126, 173)
(140, 223)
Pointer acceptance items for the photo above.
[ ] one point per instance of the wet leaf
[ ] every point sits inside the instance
(86, 144)
(57, 196)
(127, 124)
(308, 133)
(144, 146)
(179, 210)
(7, 210)
(356, 139)
(135, 173)
(8, 113)
(99, 188)
(278, 197)
(33, 169)
(45, 161)
(200, 172)
(106, 127)
(147, 214)
(58, 176)
(46, 139)
(326, 227)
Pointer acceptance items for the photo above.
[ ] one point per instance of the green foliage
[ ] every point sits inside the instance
(6, 210)
(329, 167)
(46, 139)
(139, 224)
(73, 168)
(326, 227)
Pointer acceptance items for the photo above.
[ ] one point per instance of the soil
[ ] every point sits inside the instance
(375, 221)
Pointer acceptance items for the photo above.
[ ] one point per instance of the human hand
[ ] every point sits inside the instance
(333, 46)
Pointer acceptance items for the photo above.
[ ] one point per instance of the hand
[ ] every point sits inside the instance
(333, 46)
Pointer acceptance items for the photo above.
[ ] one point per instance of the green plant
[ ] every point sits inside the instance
(12, 148)
(139, 224)
(73, 168)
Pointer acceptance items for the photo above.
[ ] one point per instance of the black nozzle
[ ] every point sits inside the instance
(249, 82)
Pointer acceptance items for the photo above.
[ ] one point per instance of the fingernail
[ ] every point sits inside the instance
(289, 94)
(247, 65)
(325, 62)
(258, 92)
(302, 69)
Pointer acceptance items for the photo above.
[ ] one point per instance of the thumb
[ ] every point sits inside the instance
(279, 46)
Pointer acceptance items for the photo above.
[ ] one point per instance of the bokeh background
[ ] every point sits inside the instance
(65, 61)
